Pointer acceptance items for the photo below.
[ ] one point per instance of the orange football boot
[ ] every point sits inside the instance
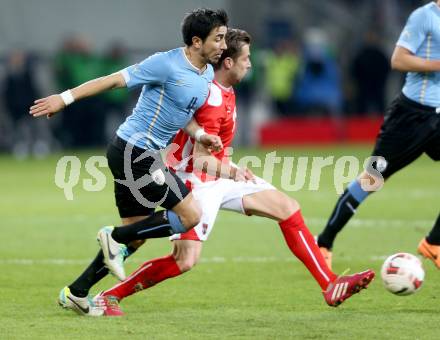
(430, 251)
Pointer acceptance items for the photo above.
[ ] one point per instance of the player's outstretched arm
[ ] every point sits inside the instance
(404, 60)
(194, 130)
(50, 105)
(204, 161)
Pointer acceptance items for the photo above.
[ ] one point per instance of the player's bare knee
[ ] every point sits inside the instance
(292, 206)
(186, 265)
(189, 212)
(191, 217)
(288, 206)
(186, 260)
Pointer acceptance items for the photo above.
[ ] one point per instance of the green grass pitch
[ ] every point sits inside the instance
(247, 286)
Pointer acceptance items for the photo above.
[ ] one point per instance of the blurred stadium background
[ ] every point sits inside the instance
(321, 67)
(319, 85)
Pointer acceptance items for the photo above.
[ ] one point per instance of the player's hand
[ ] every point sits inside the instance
(47, 106)
(242, 175)
(249, 175)
(238, 175)
(211, 142)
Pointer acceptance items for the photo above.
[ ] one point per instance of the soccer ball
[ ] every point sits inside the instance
(402, 274)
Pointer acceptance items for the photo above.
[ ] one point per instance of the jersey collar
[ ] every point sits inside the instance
(227, 89)
(194, 68)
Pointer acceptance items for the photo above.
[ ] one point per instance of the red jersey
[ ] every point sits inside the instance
(217, 117)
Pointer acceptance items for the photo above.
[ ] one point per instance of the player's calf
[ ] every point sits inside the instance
(186, 253)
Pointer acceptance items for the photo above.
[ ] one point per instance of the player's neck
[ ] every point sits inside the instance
(223, 79)
(195, 59)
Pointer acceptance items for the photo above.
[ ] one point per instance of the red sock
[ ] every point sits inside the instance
(303, 246)
(146, 276)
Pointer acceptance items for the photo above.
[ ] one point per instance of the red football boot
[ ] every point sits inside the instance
(110, 305)
(345, 286)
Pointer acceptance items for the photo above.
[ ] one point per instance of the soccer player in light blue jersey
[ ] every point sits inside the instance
(174, 85)
(411, 126)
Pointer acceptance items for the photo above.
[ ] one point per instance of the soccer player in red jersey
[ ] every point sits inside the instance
(218, 184)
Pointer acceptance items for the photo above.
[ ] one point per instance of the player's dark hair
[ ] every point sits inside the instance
(235, 39)
(200, 22)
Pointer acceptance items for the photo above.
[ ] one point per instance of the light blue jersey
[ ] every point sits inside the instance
(172, 90)
(421, 36)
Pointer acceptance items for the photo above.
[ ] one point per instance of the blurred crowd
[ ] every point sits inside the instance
(295, 76)
(88, 123)
(306, 77)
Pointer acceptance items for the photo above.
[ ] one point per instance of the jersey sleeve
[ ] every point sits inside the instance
(415, 31)
(153, 70)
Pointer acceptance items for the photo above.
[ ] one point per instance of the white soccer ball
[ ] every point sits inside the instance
(402, 274)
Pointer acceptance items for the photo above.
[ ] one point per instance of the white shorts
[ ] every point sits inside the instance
(212, 196)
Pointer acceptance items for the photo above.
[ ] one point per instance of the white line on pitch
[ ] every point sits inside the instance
(240, 259)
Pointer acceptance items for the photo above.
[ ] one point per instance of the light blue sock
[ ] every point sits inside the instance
(357, 192)
(175, 222)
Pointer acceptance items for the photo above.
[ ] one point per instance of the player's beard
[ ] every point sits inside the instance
(214, 60)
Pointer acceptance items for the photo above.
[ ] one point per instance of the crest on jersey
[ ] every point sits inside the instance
(138, 287)
(381, 164)
(204, 228)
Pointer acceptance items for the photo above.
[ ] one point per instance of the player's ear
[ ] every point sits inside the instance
(228, 62)
(197, 42)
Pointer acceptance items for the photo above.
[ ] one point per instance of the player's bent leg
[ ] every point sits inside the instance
(109, 304)
(272, 204)
(356, 192)
(276, 205)
(130, 220)
(96, 271)
(188, 211)
(186, 253)
(184, 216)
(133, 245)
(172, 195)
(133, 219)
(146, 276)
